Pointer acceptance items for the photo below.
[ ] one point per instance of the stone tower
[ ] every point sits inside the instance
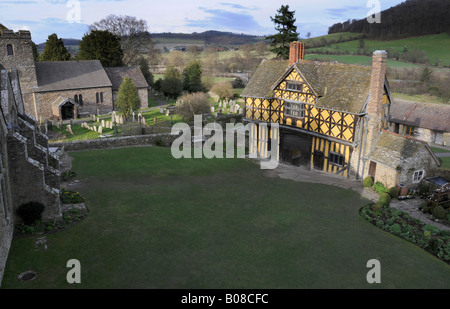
(16, 53)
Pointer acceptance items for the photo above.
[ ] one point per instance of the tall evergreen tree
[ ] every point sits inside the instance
(54, 50)
(192, 77)
(101, 45)
(128, 97)
(287, 32)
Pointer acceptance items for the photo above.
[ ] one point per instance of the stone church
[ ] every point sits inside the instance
(64, 89)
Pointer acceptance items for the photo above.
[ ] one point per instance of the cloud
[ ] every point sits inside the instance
(227, 20)
(346, 11)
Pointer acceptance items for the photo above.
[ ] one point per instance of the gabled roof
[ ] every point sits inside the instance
(431, 116)
(60, 101)
(69, 75)
(268, 72)
(117, 74)
(337, 86)
(394, 150)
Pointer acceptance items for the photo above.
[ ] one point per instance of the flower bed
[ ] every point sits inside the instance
(394, 221)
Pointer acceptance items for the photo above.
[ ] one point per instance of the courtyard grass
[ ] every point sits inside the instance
(158, 222)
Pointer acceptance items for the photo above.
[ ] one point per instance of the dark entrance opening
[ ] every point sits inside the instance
(319, 159)
(372, 169)
(296, 149)
(67, 111)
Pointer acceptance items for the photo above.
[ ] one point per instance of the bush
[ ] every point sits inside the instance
(368, 182)
(395, 229)
(384, 199)
(30, 212)
(193, 104)
(380, 188)
(393, 192)
(439, 212)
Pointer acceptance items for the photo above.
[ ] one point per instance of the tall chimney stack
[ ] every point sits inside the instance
(379, 59)
(296, 52)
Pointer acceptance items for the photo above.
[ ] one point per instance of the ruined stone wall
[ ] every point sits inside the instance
(44, 101)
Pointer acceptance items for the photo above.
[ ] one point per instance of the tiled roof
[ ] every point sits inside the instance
(268, 72)
(394, 150)
(68, 75)
(117, 74)
(338, 86)
(431, 116)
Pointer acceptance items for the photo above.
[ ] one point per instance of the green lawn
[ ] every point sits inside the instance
(158, 222)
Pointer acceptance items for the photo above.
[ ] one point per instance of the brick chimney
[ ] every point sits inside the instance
(296, 52)
(377, 82)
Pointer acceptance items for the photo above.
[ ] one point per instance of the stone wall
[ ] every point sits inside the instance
(22, 59)
(163, 139)
(421, 161)
(44, 101)
(28, 171)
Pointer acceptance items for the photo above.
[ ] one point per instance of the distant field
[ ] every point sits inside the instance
(360, 60)
(436, 47)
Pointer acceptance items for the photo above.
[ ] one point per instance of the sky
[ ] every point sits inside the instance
(71, 18)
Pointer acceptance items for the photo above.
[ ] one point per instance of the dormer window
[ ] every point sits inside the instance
(295, 87)
(9, 50)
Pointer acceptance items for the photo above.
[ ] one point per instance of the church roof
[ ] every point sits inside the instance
(70, 75)
(117, 74)
(337, 86)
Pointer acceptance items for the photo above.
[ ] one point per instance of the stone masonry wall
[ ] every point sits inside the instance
(165, 139)
(44, 101)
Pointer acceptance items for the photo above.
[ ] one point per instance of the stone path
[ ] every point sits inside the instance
(302, 174)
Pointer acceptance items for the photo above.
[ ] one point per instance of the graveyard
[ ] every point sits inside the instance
(158, 222)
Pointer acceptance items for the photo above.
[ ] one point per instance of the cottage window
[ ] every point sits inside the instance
(101, 97)
(97, 98)
(336, 158)
(9, 50)
(80, 98)
(418, 176)
(76, 98)
(294, 109)
(295, 87)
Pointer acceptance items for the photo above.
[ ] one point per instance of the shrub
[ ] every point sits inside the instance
(193, 104)
(384, 199)
(30, 212)
(439, 212)
(393, 192)
(368, 182)
(395, 229)
(380, 188)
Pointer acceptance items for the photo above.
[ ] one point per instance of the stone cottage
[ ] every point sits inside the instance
(396, 160)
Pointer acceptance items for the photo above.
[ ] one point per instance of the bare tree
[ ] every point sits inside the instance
(133, 33)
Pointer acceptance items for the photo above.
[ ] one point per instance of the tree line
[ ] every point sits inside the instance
(408, 19)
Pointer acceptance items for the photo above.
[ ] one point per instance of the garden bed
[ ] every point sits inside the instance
(400, 224)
